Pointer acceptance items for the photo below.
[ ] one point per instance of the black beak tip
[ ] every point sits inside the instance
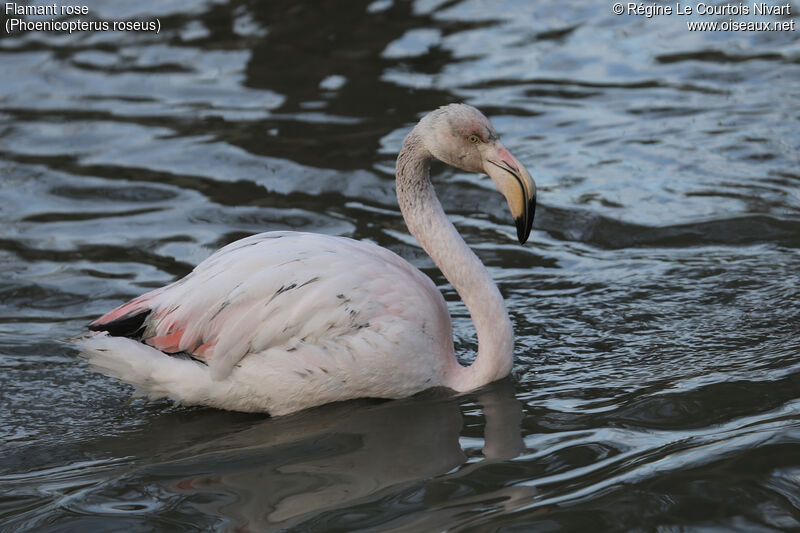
(523, 229)
(525, 223)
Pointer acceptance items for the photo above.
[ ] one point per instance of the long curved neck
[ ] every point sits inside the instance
(428, 223)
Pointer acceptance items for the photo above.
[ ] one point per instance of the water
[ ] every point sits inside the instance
(657, 381)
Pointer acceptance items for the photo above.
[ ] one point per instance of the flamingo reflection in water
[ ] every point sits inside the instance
(306, 468)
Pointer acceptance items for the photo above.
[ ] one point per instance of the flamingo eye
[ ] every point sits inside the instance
(474, 139)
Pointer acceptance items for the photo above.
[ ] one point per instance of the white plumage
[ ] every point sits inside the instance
(282, 321)
(284, 312)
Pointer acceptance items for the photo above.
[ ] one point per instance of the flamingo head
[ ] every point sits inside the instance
(462, 137)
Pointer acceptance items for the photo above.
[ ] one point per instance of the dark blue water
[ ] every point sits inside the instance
(657, 376)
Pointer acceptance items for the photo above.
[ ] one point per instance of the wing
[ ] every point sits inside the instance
(277, 290)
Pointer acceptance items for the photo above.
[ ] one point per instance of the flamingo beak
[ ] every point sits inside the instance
(515, 183)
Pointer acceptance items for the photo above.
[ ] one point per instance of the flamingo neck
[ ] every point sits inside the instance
(428, 223)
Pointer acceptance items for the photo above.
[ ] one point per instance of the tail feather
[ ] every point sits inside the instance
(154, 373)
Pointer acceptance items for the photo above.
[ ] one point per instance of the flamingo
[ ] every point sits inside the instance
(283, 321)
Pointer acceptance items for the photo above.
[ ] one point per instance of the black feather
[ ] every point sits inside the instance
(131, 326)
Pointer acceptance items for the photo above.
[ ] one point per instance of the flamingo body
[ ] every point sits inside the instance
(272, 323)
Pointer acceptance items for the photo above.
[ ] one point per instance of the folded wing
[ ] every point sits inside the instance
(274, 290)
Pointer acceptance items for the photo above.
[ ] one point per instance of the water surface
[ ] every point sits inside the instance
(657, 381)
